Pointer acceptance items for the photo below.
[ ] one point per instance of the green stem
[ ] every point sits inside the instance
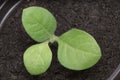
(53, 38)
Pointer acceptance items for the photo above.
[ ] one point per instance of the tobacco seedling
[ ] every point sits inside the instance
(77, 50)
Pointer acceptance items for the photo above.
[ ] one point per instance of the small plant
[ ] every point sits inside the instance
(77, 50)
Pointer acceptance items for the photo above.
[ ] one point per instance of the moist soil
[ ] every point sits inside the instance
(100, 18)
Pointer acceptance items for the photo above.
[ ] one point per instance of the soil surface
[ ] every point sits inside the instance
(100, 18)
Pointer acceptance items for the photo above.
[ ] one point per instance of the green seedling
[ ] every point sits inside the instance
(77, 50)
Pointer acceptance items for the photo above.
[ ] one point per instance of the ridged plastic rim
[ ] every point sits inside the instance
(3, 4)
(9, 12)
(115, 74)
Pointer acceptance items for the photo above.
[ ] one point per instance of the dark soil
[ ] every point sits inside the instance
(100, 18)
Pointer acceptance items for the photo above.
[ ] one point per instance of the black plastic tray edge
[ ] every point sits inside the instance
(9, 12)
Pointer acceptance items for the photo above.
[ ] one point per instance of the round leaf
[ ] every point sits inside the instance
(37, 58)
(39, 23)
(78, 50)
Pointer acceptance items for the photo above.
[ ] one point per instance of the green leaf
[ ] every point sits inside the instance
(78, 50)
(37, 58)
(39, 23)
